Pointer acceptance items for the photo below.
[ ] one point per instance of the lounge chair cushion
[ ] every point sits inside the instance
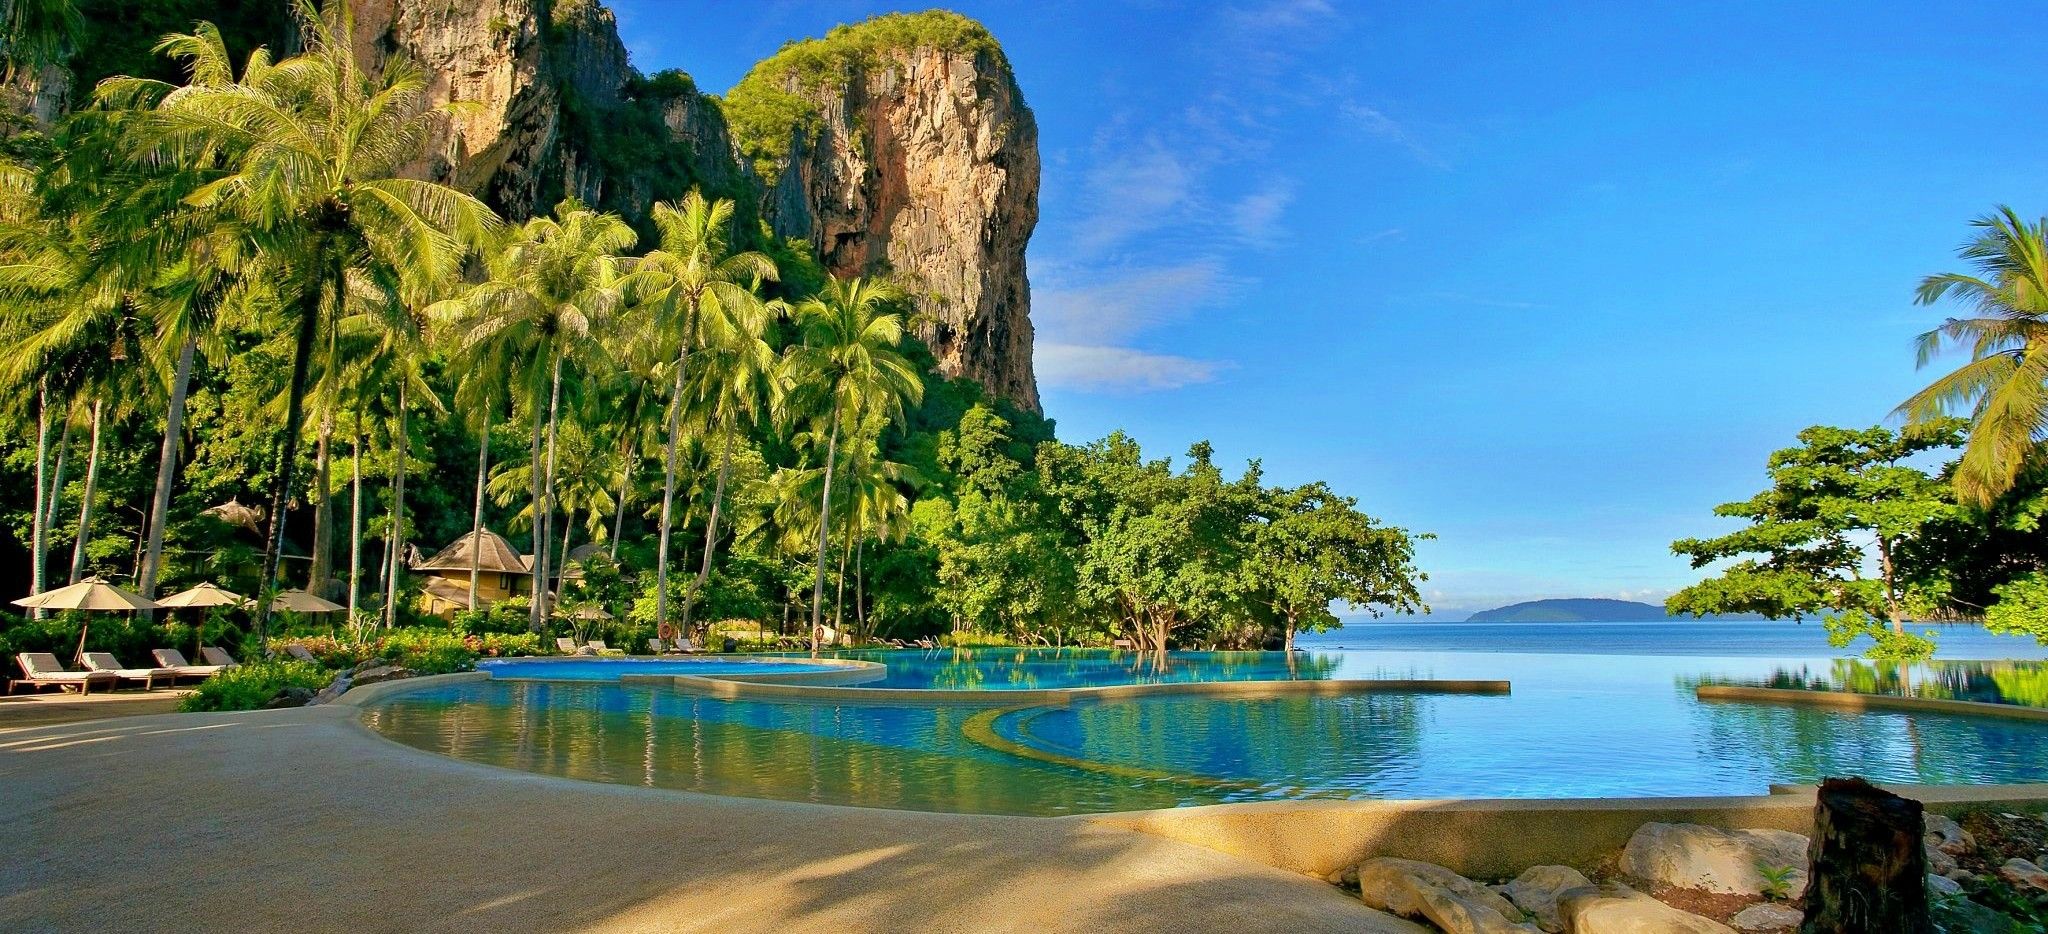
(215, 655)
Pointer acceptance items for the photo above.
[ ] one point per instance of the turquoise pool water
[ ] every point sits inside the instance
(609, 669)
(1576, 725)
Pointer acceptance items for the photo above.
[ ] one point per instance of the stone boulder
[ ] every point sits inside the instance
(1939, 862)
(2025, 874)
(1535, 891)
(293, 696)
(1948, 836)
(1614, 908)
(1694, 856)
(1453, 903)
(1767, 918)
(381, 673)
(332, 691)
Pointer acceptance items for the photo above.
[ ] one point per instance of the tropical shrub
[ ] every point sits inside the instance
(250, 686)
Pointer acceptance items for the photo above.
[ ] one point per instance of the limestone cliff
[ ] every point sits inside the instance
(902, 145)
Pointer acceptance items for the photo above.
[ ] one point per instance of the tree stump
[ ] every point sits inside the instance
(1868, 869)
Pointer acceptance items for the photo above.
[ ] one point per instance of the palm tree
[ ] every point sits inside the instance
(734, 379)
(691, 286)
(547, 289)
(845, 369)
(2004, 387)
(394, 353)
(75, 329)
(310, 152)
(877, 508)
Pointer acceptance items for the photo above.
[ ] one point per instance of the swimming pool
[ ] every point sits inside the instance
(610, 669)
(1575, 725)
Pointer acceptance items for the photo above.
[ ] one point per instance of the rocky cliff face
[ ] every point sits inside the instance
(512, 70)
(924, 164)
(897, 146)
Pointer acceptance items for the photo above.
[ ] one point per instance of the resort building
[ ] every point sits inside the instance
(501, 572)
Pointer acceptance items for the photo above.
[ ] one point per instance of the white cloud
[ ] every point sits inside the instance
(1256, 216)
(1076, 366)
(1140, 190)
(1378, 124)
(1114, 304)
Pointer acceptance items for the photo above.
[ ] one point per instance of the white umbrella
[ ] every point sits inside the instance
(89, 594)
(299, 601)
(204, 595)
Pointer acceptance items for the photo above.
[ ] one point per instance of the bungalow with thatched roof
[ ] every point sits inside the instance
(501, 572)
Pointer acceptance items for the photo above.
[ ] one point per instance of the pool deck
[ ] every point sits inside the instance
(304, 820)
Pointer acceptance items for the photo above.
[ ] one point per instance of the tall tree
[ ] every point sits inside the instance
(310, 154)
(692, 285)
(2004, 387)
(548, 288)
(847, 367)
(1833, 537)
(734, 383)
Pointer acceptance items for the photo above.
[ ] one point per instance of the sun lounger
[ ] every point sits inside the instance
(565, 646)
(298, 652)
(175, 661)
(104, 661)
(655, 646)
(686, 647)
(41, 668)
(215, 655)
(598, 646)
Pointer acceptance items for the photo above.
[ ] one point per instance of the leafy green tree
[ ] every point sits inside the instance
(695, 284)
(2022, 608)
(310, 154)
(846, 368)
(1314, 548)
(1833, 537)
(2004, 387)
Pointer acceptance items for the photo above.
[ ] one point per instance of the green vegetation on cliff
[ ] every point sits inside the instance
(775, 100)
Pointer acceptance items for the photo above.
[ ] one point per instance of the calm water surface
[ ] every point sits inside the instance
(1608, 717)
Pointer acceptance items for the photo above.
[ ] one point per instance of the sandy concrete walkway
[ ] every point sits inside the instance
(26, 710)
(302, 820)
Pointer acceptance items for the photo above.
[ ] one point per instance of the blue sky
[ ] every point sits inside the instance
(1549, 283)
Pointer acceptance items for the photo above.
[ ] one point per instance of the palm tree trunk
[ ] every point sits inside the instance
(568, 527)
(39, 534)
(839, 596)
(619, 508)
(668, 492)
(92, 478)
(824, 527)
(536, 617)
(323, 507)
(355, 520)
(401, 449)
(711, 526)
(288, 446)
(547, 517)
(476, 521)
(57, 473)
(166, 470)
(860, 610)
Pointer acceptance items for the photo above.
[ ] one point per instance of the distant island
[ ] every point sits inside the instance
(1582, 610)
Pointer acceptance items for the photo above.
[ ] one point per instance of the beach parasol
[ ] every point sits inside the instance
(299, 601)
(90, 594)
(204, 595)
